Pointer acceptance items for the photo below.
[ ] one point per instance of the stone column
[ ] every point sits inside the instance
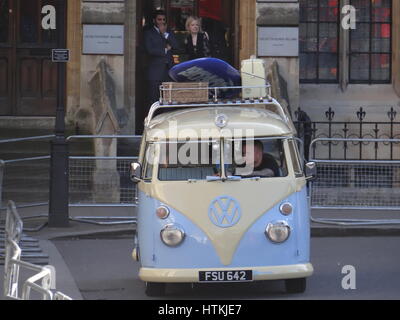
(106, 179)
(74, 36)
(247, 29)
(130, 65)
(102, 100)
(102, 13)
(283, 19)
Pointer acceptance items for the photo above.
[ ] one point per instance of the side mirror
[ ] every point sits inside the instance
(311, 170)
(135, 172)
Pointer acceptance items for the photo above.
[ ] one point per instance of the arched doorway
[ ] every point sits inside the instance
(219, 20)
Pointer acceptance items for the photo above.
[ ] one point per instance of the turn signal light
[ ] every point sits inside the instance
(162, 212)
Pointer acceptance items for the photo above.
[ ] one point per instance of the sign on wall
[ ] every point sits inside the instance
(60, 55)
(103, 39)
(278, 41)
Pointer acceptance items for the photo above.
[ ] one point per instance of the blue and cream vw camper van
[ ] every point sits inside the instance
(222, 195)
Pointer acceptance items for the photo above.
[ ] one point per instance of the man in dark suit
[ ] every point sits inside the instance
(159, 42)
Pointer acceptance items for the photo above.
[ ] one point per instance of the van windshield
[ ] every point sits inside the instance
(201, 160)
(190, 160)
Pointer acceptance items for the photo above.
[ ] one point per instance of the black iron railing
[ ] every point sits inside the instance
(342, 150)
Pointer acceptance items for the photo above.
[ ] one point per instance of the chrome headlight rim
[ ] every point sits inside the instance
(172, 227)
(275, 224)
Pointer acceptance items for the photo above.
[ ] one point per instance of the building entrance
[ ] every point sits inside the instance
(28, 78)
(218, 20)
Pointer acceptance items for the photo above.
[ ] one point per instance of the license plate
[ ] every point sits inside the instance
(226, 276)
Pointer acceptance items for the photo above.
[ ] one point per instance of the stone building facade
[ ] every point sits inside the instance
(303, 37)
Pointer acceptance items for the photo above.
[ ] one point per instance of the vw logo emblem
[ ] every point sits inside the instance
(224, 212)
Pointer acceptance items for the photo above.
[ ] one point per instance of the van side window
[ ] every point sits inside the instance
(294, 154)
(149, 162)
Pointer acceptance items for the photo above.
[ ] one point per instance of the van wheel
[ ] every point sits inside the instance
(155, 289)
(295, 285)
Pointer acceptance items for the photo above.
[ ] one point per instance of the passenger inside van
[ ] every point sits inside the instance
(257, 162)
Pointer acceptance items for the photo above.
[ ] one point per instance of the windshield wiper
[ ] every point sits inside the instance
(234, 178)
(252, 178)
(213, 178)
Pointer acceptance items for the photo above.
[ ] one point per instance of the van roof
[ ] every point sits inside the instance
(196, 123)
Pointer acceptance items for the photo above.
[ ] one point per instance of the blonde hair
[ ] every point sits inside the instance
(190, 20)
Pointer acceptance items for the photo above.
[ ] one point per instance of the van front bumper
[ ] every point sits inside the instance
(259, 273)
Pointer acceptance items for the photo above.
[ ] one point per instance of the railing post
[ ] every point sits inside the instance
(330, 114)
(392, 116)
(58, 204)
(59, 186)
(345, 131)
(376, 130)
(1, 180)
(361, 115)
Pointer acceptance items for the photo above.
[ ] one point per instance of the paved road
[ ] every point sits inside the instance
(103, 269)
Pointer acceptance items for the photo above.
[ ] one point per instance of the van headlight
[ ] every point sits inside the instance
(172, 235)
(278, 232)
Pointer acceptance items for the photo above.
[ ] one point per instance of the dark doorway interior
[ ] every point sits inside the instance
(218, 18)
(28, 78)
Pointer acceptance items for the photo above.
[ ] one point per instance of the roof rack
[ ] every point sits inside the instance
(215, 98)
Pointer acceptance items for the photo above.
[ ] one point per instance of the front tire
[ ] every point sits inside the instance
(155, 289)
(296, 285)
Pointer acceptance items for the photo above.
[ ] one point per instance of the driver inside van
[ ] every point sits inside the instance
(256, 162)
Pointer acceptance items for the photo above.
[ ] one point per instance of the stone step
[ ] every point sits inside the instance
(25, 183)
(29, 196)
(27, 123)
(29, 149)
(84, 146)
(15, 133)
(25, 196)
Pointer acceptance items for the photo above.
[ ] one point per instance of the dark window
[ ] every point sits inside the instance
(179, 11)
(370, 42)
(319, 40)
(49, 36)
(4, 21)
(29, 21)
(31, 31)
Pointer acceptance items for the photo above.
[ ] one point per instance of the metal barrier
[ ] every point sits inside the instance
(355, 184)
(30, 179)
(42, 282)
(1, 180)
(357, 126)
(94, 181)
(101, 181)
(90, 182)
